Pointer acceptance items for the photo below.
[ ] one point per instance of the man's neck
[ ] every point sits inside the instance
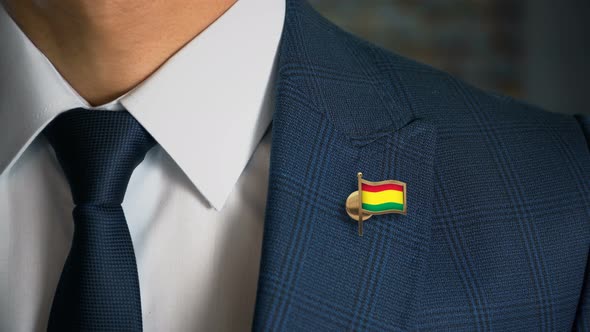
(105, 48)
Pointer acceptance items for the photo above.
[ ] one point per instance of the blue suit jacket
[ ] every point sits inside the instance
(497, 230)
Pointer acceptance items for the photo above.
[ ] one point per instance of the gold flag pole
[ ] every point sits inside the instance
(360, 199)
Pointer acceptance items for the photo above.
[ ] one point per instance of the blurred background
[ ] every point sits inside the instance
(535, 50)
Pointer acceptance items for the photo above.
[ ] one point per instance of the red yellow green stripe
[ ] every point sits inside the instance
(383, 197)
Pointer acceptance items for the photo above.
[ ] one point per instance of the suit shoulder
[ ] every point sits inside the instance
(351, 78)
(433, 93)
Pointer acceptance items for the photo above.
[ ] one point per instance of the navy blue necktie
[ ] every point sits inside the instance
(99, 288)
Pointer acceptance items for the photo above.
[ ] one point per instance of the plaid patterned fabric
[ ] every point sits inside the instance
(497, 230)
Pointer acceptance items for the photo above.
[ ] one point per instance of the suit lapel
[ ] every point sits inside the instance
(331, 122)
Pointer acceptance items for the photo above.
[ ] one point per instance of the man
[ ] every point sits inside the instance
(495, 236)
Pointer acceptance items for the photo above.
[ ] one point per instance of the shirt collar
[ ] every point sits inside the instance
(208, 106)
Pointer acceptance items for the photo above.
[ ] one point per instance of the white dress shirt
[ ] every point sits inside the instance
(195, 206)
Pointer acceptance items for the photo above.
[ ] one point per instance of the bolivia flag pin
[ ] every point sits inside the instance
(374, 198)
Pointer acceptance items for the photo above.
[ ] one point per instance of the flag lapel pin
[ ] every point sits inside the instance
(374, 198)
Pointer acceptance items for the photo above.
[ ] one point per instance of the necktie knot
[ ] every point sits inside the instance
(98, 151)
